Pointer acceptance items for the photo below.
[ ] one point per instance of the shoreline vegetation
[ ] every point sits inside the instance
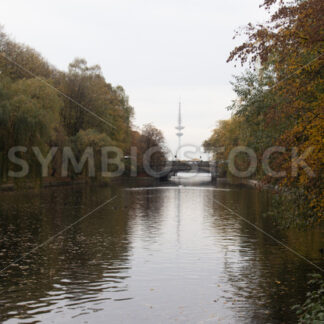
(44, 183)
(280, 100)
(46, 108)
(60, 182)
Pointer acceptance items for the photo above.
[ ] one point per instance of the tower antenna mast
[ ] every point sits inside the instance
(179, 128)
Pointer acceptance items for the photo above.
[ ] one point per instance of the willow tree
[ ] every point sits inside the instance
(89, 90)
(42, 106)
(19, 61)
(29, 117)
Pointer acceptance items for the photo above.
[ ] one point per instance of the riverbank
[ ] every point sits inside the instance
(244, 182)
(28, 185)
(65, 182)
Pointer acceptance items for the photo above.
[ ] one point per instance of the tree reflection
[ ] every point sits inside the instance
(262, 273)
(87, 262)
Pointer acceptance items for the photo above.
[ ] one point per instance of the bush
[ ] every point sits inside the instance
(312, 311)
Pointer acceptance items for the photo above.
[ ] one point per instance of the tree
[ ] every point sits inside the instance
(18, 61)
(150, 138)
(87, 88)
(29, 116)
(281, 102)
(42, 106)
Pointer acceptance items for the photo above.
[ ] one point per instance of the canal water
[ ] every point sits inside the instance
(162, 253)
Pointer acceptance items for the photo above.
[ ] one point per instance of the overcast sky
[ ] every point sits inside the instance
(158, 50)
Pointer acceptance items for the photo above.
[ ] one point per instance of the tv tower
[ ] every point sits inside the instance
(179, 128)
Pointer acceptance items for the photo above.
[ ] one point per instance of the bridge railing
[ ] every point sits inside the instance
(172, 167)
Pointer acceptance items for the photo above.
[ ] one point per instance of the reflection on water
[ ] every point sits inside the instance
(164, 253)
(191, 178)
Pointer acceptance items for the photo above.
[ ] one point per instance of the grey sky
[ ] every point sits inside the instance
(157, 50)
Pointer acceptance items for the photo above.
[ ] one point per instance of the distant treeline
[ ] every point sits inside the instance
(280, 102)
(45, 107)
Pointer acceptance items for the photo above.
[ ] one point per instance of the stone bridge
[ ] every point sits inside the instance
(173, 167)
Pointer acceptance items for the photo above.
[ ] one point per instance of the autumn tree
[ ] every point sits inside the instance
(150, 138)
(281, 100)
(43, 106)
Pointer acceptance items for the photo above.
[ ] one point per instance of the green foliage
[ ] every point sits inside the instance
(34, 113)
(29, 115)
(87, 87)
(13, 55)
(91, 137)
(312, 311)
